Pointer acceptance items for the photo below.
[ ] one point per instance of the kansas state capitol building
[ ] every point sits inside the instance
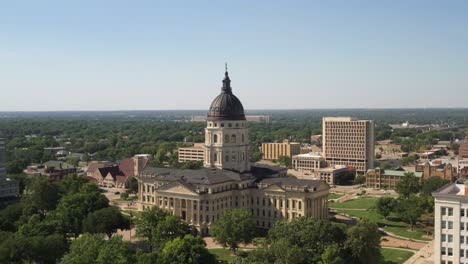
(228, 180)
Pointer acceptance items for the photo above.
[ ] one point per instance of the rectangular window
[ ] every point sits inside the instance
(449, 251)
(462, 253)
(450, 238)
(462, 226)
(444, 210)
(444, 237)
(444, 224)
(450, 211)
(443, 251)
(450, 225)
(462, 239)
(462, 212)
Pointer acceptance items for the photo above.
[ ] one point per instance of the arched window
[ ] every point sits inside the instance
(215, 138)
(215, 157)
(243, 138)
(233, 138)
(226, 139)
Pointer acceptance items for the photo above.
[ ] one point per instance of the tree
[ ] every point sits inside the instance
(147, 223)
(234, 226)
(9, 216)
(105, 220)
(409, 184)
(94, 249)
(41, 194)
(363, 242)
(171, 227)
(16, 248)
(285, 161)
(309, 236)
(74, 208)
(186, 250)
(432, 184)
(332, 255)
(71, 184)
(409, 210)
(384, 206)
(133, 187)
(360, 179)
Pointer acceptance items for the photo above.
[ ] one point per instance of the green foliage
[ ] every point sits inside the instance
(385, 206)
(235, 226)
(408, 185)
(360, 179)
(186, 250)
(94, 249)
(363, 242)
(124, 196)
(16, 248)
(133, 186)
(106, 220)
(285, 161)
(432, 185)
(9, 216)
(158, 227)
(41, 194)
(410, 209)
(74, 208)
(332, 255)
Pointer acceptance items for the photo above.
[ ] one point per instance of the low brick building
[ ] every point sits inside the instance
(385, 179)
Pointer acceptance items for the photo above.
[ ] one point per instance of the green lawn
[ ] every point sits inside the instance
(222, 254)
(397, 227)
(360, 203)
(395, 256)
(335, 195)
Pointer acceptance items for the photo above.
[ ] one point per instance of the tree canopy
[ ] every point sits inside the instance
(235, 226)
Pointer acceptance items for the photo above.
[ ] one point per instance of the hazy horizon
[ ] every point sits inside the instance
(147, 56)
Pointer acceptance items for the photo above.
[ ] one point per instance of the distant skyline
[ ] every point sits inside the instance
(150, 55)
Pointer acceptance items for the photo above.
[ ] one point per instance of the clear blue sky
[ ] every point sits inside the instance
(134, 55)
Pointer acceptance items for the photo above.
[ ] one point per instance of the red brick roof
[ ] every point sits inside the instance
(126, 167)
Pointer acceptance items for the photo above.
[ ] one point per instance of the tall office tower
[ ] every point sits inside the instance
(451, 223)
(348, 141)
(8, 188)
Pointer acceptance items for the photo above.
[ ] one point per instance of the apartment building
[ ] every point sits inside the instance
(272, 151)
(308, 162)
(349, 141)
(195, 153)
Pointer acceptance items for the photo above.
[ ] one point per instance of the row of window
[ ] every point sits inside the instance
(222, 124)
(228, 139)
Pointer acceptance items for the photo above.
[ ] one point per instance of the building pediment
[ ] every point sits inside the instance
(274, 188)
(176, 188)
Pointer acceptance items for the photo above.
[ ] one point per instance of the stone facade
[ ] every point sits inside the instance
(385, 179)
(443, 171)
(228, 180)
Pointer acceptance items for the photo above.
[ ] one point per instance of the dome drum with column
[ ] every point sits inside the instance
(226, 133)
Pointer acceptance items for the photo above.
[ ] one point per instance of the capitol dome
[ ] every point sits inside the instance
(226, 106)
